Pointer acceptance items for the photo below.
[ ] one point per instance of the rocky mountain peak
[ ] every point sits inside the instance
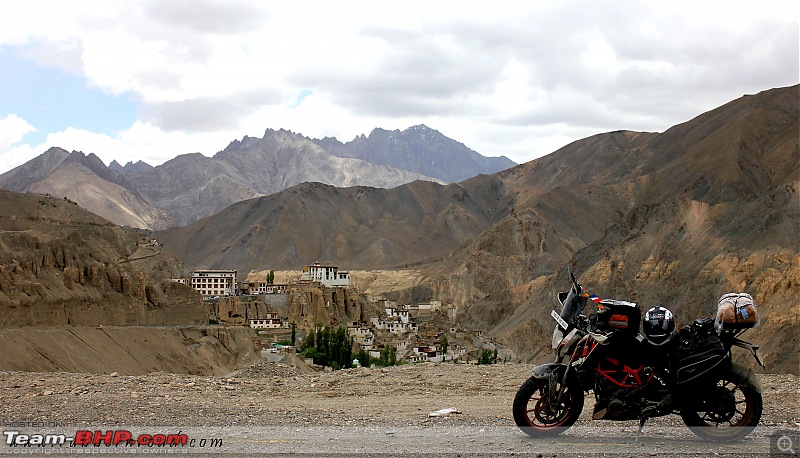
(130, 166)
(178, 191)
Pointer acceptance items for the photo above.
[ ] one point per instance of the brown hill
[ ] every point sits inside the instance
(675, 218)
(707, 207)
(61, 265)
(359, 227)
(126, 350)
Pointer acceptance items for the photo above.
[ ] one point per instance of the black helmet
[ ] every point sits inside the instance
(658, 325)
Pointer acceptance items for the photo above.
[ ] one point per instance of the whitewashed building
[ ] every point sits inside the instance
(329, 276)
(394, 325)
(271, 321)
(433, 306)
(403, 315)
(214, 282)
(362, 334)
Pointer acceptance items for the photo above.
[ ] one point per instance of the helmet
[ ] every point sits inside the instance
(658, 325)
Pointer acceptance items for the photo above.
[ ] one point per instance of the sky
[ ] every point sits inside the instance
(149, 80)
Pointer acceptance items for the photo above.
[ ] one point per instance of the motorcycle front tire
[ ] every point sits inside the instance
(534, 415)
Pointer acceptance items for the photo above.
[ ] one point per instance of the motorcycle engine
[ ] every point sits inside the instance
(615, 403)
(611, 402)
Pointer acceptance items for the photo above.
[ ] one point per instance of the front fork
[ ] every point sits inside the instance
(554, 393)
(554, 373)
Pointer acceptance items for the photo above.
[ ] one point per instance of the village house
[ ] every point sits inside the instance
(361, 334)
(403, 315)
(270, 321)
(252, 288)
(400, 346)
(434, 353)
(433, 306)
(394, 324)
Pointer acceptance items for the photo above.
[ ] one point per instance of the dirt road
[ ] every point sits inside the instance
(273, 409)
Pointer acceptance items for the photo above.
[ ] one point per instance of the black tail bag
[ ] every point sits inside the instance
(699, 357)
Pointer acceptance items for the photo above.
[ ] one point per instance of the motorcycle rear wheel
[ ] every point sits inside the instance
(534, 415)
(729, 412)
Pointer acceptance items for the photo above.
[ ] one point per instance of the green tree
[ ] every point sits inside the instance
(294, 333)
(487, 357)
(318, 340)
(330, 347)
(335, 348)
(271, 277)
(309, 341)
(323, 346)
(444, 344)
(363, 357)
(384, 358)
(347, 351)
(388, 356)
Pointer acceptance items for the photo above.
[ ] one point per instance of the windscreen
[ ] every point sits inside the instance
(573, 304)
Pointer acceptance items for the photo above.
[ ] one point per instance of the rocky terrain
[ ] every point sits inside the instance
(418, 149)
(271, 408)
(61, 265)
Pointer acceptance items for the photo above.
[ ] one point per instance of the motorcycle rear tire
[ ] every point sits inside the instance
(732, 411)
(531, 412)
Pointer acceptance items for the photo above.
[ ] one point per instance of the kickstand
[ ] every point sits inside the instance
(641, 426)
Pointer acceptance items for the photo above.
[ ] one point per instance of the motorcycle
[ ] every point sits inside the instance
(637, 377)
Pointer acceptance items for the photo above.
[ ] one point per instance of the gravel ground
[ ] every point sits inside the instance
(271, 408)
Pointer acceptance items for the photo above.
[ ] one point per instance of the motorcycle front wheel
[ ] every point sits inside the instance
(537, 416)
(729, 411)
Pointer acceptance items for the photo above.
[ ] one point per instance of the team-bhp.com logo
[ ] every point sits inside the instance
(108, 438)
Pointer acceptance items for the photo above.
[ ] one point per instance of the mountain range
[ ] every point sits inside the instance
(192, 186)
(675, 218)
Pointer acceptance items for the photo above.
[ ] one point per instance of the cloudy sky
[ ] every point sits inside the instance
(149, 79)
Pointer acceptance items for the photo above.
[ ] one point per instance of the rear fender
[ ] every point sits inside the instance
(747, 377)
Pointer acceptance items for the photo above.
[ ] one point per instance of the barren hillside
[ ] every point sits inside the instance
(60, 264)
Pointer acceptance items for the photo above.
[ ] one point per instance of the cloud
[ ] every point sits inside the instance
(12, 130)
(206, 114)
(207, 16)
(515, 78)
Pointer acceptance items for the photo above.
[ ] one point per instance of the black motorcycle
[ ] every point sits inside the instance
(637, 376)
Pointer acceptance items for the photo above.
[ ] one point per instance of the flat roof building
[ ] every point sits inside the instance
(212, 283)
(329, 276)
